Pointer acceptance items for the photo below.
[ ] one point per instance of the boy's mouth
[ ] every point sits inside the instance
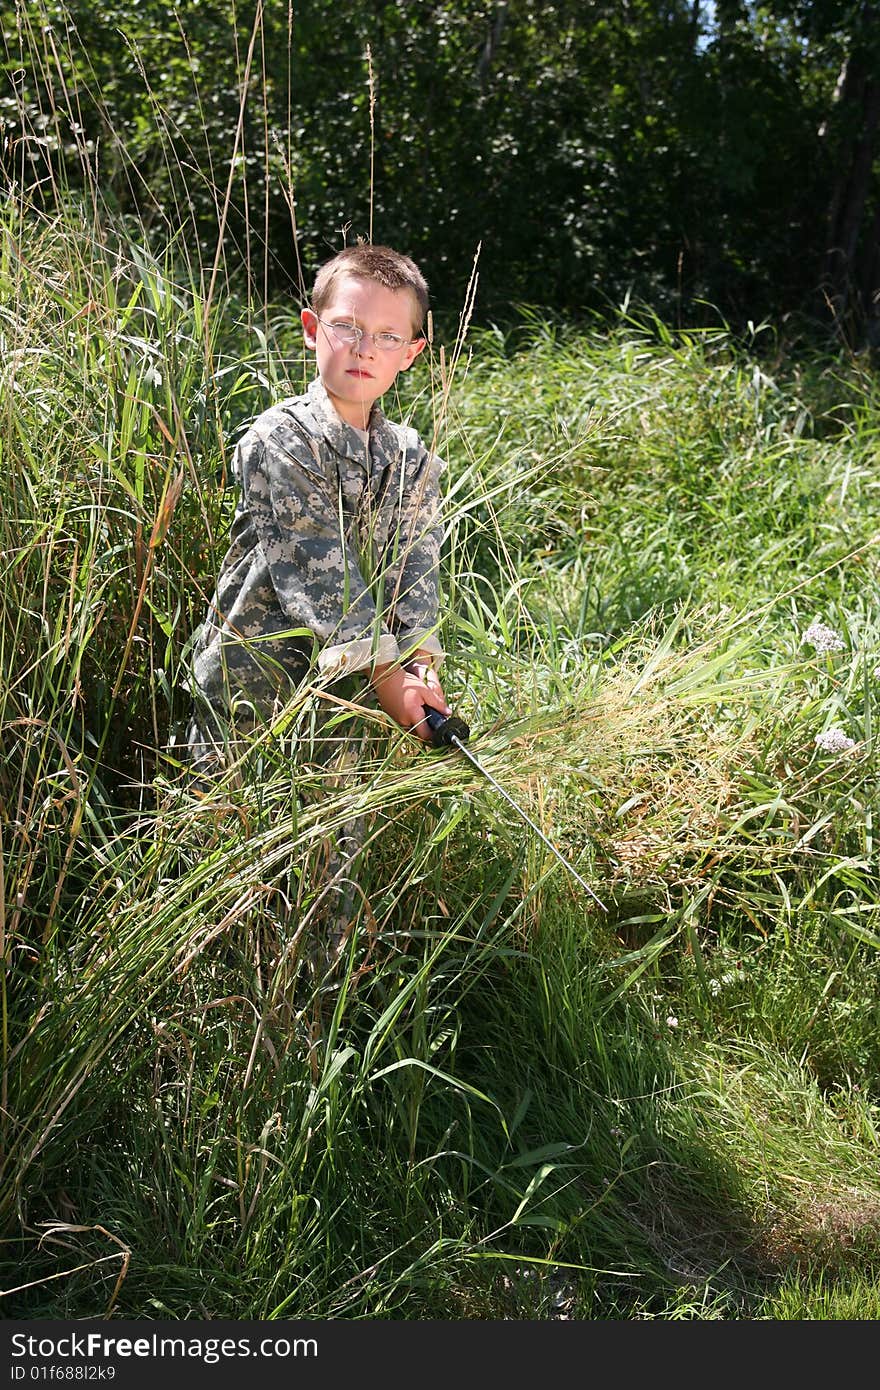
(359, 371)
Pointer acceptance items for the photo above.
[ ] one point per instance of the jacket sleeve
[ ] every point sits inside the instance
(298, 519)
(412, 586)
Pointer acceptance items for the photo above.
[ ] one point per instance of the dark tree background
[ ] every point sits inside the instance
(704, 158)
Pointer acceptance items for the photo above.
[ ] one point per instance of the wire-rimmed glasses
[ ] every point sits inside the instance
(352, 336)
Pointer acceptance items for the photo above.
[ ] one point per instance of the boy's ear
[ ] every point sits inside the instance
(309, 320)
(412, 352)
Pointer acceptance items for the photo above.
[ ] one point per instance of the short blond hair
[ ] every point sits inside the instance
(378, 263)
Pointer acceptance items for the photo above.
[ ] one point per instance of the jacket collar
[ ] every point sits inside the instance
(385, 439)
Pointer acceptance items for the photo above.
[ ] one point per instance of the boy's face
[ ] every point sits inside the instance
(357, 374)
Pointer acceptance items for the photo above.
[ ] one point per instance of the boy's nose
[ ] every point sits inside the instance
(361, 347)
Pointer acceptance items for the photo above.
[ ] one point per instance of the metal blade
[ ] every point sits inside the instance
(520, 812)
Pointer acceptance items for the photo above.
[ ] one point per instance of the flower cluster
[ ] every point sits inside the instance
(823, 638)
(834, 741)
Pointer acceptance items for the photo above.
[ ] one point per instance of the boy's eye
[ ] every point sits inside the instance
(350, 333)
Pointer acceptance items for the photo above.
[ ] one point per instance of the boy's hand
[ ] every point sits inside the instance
(402, 691)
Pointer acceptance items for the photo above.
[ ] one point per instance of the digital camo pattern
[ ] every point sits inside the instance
(333, 557)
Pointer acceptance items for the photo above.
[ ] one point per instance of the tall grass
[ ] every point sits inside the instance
(504, 1100)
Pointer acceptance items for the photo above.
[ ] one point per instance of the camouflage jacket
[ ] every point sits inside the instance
(333, 555)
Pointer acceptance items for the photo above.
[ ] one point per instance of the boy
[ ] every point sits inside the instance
(332, 566)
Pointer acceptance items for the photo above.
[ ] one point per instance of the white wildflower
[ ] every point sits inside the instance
(823, 638)
(672, 1021)
(834, 740)
(715, 987)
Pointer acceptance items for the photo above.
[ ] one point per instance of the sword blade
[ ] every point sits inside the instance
(528, 820)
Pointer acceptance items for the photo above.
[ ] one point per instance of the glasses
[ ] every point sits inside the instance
(351, 335)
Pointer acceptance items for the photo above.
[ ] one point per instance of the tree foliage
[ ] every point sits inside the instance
(673, 150)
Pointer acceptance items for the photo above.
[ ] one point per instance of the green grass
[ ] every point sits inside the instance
(516, 1104)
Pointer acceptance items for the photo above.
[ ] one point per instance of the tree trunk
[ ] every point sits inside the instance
(848, 268)
(870, 287)
(493, 39)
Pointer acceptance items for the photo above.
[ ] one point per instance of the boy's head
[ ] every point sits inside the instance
(380, 264)
(368, 306)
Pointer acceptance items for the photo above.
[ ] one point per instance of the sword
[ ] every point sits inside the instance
(450, 731)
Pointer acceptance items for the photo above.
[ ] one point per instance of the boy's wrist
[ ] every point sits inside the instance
(381, 669)
(418, 664)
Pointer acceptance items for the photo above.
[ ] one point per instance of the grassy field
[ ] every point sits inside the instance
(508, 1101)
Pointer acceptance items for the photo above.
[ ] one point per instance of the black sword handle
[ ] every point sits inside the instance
(445, 727)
